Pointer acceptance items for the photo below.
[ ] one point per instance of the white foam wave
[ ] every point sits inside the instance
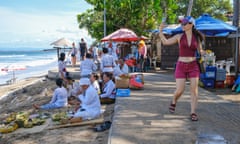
(10, 56)
(30, 63)
(40, 62)
(3, 73)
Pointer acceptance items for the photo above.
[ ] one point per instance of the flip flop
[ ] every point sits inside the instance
(194, 117)
(172, 108)
(102, 127)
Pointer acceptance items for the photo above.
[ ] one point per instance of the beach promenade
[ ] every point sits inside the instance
(143, 118)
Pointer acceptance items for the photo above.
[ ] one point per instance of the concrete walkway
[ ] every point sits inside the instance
(143, 118)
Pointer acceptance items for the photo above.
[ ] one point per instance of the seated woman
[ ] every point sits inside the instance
(109, 89)
(89, 103)
(123, 66)
(59, 99)
(94, 81)
(121, 69)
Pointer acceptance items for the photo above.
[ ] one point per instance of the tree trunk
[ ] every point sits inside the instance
(190, 7)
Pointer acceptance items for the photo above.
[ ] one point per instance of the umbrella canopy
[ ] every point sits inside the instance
(62, 42)
(121, 35)
(143, 37)
(210, 26)
(13, 68)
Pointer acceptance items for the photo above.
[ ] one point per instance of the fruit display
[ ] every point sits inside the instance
(7, 128)
(22, 120)
(11, 117)
(59, 116)
(21, 117)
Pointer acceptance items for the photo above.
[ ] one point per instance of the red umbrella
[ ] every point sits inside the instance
(13, 68)
(121, 35)
(143, 38)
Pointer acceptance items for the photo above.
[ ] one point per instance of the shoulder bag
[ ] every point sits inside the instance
(199, 57)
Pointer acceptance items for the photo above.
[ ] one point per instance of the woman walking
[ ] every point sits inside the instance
(187, 67)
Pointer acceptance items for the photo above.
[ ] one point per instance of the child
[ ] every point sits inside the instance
(94, 81)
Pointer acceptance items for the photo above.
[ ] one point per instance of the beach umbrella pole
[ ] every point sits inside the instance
(13, 78)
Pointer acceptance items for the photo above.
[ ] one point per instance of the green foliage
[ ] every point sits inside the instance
(143, 15)
(216, 8)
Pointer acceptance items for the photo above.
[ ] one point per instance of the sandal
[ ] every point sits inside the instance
(172, 108)
(194, 117)
(102, 127)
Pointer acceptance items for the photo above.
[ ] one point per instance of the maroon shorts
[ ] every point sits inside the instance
(187, 70)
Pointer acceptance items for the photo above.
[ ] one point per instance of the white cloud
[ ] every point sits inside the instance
(32, 29)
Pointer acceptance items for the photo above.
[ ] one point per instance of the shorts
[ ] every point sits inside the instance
(73, 55)
(187, 70)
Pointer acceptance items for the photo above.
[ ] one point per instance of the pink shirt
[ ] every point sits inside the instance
(184, 49)
(143, 50)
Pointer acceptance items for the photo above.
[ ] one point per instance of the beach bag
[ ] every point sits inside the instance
(135, 82)
(200, 62)
(199, 58)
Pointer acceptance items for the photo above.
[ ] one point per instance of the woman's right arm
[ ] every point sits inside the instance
(166, 41)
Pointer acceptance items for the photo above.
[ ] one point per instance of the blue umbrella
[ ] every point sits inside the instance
(210, 26)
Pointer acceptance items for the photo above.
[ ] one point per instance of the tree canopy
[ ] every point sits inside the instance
(144, 15)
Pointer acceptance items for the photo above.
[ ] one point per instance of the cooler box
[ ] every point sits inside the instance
(208, 83)
(123, 92)
(220, 74)
(211, 72)
(230, 79)
(219, 84)
(202, 76)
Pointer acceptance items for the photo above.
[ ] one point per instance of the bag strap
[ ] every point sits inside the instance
(199, 48)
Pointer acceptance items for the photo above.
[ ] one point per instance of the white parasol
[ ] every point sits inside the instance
(63, 42)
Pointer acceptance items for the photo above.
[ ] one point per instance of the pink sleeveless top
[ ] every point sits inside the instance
(184, 49)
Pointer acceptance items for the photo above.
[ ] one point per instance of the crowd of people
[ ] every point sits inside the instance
(96, 86)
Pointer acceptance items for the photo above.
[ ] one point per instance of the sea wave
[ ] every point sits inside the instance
(30, 63)
(2, 73)
(40, 62)
(11, 56)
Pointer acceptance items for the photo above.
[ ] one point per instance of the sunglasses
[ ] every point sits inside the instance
(183, 24)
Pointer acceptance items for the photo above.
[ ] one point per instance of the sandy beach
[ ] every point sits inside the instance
(20, 97)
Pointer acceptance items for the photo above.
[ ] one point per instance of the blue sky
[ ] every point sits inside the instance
(37, 23)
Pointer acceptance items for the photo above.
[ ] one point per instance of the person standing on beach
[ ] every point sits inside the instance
(107, 62)
(142, 53)
(87, 66)
(73, 53)
(62, 67)
(112, 49)
(187, 67)
(59, 99)
(82, 49)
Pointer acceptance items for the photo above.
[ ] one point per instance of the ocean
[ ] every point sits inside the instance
(36, 61)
